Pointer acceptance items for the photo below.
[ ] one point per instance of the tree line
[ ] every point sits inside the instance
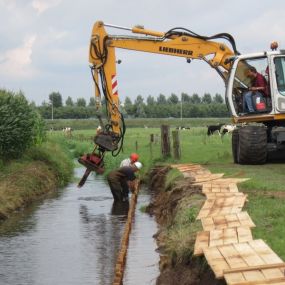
(190, 106)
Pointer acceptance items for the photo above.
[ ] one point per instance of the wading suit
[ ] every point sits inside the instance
(118, 182)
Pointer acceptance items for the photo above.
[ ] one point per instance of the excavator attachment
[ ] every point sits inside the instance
(93, 162)
(104, 141)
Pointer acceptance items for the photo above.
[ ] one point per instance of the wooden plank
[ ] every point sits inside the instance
(208, 224)
(255, 267)
(221, 206)
(249, 255)
(265, 252)
(232, 220)
(269, 257)
(220, 222)
(205, 178)
(245, 219)
(231, 180)
(216, 261)
(234, 278)
(202, 241)
(213, 195)
(254, 275)
(216, 238)
(233, 187)
(275, 281)
(244, 234)
(230, 236)
(232, 257)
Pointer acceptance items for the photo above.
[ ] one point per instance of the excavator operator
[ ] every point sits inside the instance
(259, 89)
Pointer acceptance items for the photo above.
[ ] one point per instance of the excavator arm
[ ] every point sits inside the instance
(177, 42)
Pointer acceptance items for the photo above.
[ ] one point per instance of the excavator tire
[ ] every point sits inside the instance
(252, 145)
(235, 135)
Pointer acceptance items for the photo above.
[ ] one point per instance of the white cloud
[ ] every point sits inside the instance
(69, 56)
(42, 5)
(17, 62)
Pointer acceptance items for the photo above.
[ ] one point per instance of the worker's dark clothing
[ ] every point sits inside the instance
(258, 81)
(118, 182)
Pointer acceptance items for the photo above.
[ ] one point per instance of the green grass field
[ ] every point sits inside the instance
(266, 187)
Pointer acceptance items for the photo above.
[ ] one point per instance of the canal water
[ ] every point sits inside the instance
(73, 237)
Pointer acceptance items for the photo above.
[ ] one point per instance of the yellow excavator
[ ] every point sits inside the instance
(256, 134)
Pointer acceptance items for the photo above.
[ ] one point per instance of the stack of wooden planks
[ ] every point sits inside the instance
(226, 239)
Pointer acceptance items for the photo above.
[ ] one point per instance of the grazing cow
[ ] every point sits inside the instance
(227, 129)
(67, 131)
(182, 128)
(214, 128)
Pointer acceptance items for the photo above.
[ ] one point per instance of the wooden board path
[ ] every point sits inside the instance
(226, 239)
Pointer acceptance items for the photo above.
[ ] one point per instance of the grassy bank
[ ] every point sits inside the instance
(41, 170)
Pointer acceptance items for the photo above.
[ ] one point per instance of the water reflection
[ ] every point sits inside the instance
(71, 238)
(120, 209)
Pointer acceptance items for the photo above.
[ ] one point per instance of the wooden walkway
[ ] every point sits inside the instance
(226, 240)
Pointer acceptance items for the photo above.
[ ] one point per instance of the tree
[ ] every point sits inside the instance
(20, 125)
(69, 101)
(161, 99)
(173, 99)
(129, 106)
(185, 98)
(92, 102)
(195, 99)
(150, 100)
(55, 99)
(218, 99)
(81, 102)
(139, 107)
(207, 99)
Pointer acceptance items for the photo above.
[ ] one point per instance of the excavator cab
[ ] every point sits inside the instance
(261, 101)
(271, 65)
(259, 135)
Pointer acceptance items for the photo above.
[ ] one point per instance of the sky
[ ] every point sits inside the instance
(45, 43)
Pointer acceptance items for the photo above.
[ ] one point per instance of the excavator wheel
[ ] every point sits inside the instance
(251, 145)
(235, 135)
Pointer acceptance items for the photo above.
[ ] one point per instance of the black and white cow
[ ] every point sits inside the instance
(182, 128)
(214, 128)
(227, 129)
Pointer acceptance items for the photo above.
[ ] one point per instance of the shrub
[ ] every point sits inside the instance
(20, 125)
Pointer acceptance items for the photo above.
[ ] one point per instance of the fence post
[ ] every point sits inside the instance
(176, 145)
(150, 144)
(165, 141)
(137, 146)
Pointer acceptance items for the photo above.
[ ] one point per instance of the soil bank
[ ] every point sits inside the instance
(175, 210)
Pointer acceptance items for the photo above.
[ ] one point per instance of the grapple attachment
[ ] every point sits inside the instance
(92, 162)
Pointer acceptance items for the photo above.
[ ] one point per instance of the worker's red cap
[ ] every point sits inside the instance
(134, 157)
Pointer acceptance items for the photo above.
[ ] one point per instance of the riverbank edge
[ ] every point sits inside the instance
(175, 205)
(42, 170)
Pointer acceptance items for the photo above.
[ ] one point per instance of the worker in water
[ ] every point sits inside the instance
(131, 160)
(122, 179)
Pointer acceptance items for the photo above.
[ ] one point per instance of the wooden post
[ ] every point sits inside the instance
(137, 146)
(176, 145)
(165, 141)
(150, 144)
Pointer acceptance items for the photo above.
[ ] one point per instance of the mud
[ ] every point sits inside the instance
(190, 270)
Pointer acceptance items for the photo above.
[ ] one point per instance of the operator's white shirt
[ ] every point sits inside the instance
(126, 162)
